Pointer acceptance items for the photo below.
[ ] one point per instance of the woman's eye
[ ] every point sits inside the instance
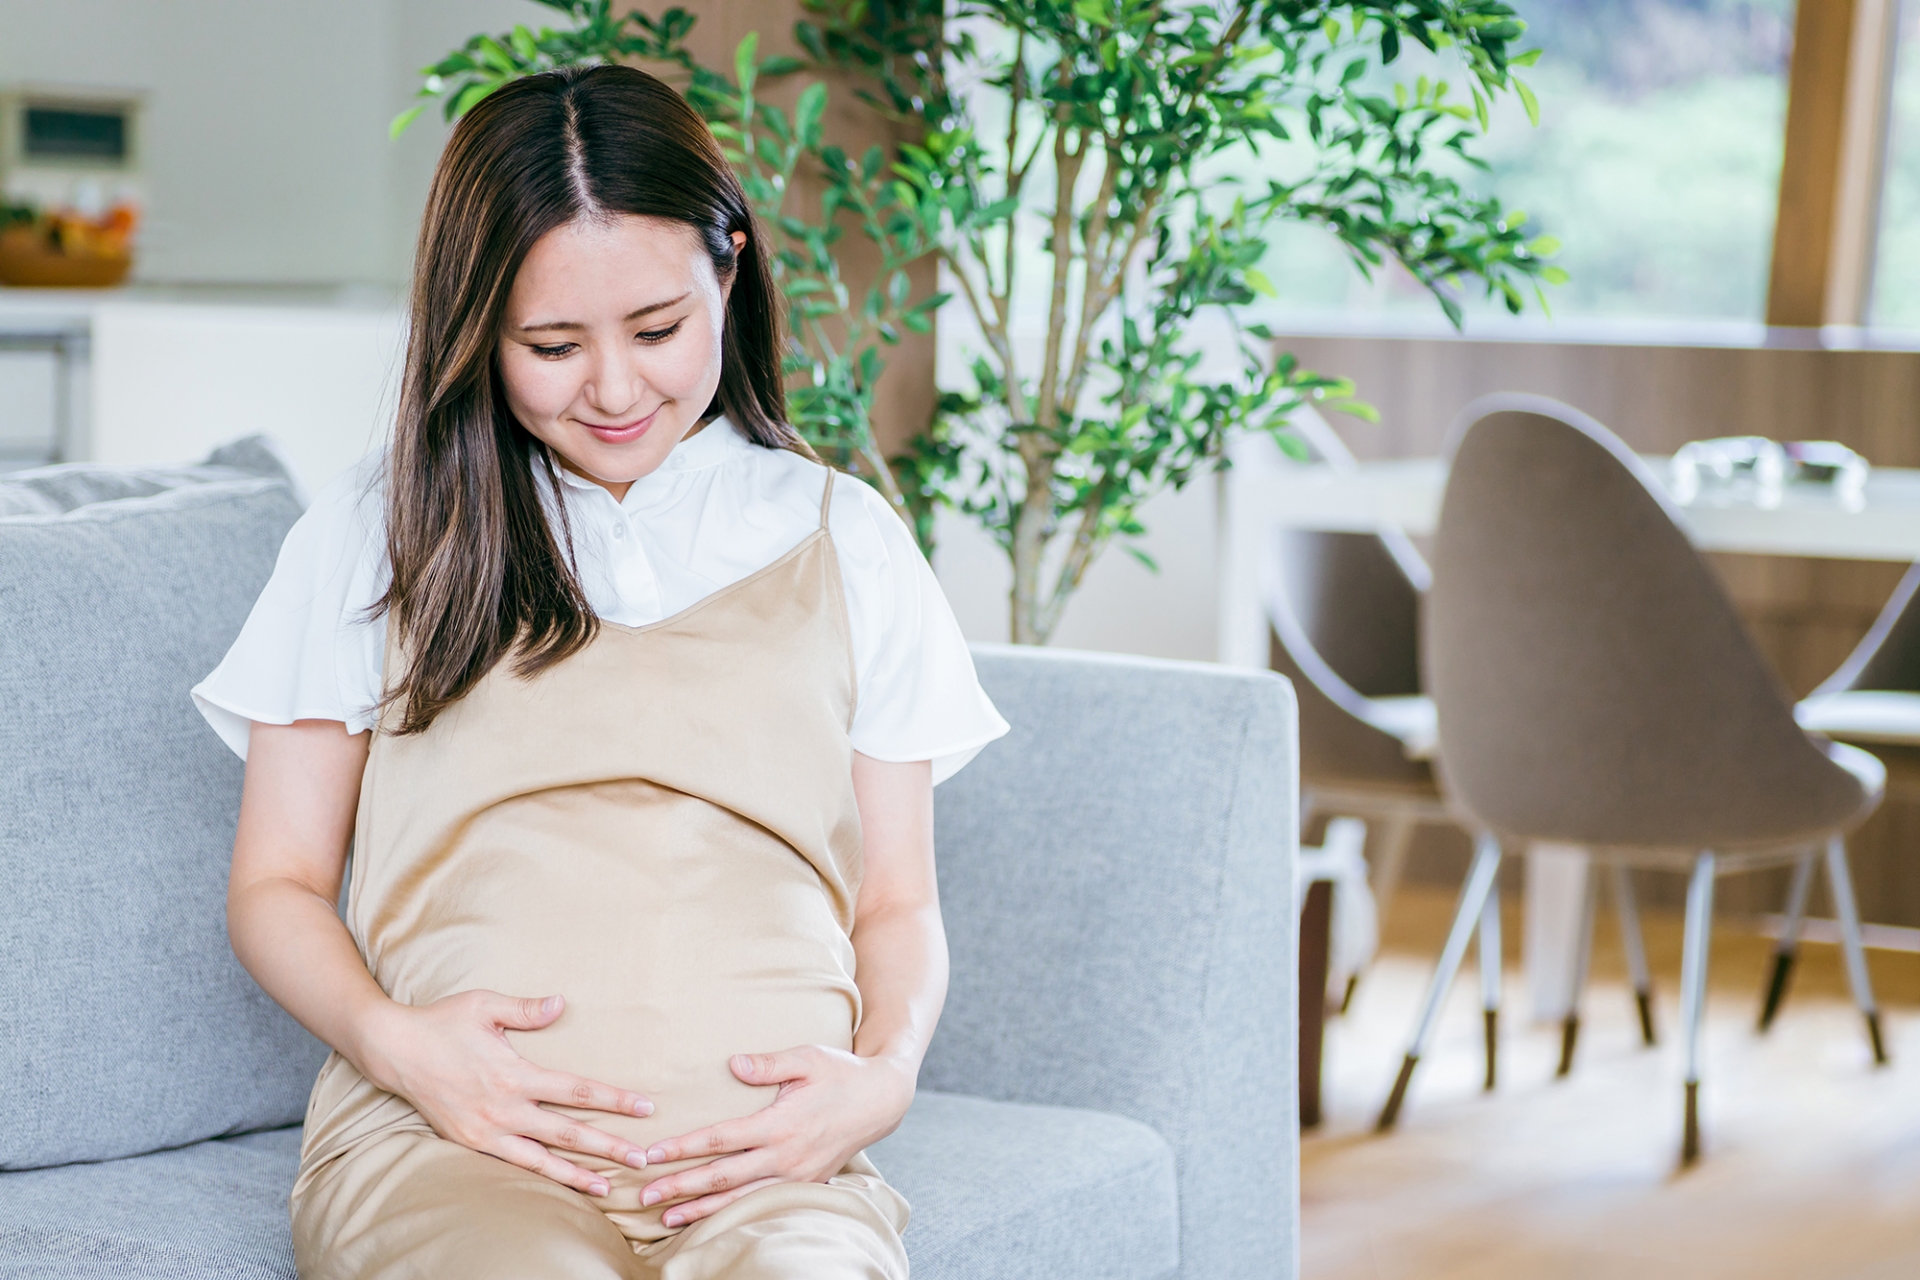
(555, 351)
(659, 335)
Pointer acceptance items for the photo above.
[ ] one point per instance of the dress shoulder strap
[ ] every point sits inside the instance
(826, 495)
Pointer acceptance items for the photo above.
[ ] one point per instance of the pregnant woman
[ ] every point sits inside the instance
(630, 713)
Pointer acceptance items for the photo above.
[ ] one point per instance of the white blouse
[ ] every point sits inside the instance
(719, 508)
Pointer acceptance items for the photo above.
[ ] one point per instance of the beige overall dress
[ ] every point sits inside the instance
(662, 829)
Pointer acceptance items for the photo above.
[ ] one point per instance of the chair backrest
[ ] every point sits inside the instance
(1346, 620)
(1593, 681)
(1888, 657)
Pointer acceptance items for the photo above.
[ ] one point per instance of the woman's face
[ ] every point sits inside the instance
(610, 346)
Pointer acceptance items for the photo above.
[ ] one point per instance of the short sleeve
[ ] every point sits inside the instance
(918, 697)
(309, 650)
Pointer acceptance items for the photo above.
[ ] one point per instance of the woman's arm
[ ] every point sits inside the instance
(832, 1104)
(450, 1058)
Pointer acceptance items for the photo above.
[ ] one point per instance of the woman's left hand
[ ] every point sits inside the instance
(831, 1104)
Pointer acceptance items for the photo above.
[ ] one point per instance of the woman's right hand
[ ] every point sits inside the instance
(451, 1060)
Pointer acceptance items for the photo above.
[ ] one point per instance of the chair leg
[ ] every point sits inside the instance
(1785, 950)
(1466, 919)
(1582, 960)
(1396, 839)
(1693, 993)
(1840, 880)
(1490, 963)
(1635, 947)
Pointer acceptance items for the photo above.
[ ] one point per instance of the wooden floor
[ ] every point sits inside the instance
(1812, 1165)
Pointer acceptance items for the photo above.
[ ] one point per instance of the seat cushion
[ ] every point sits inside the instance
(213, 1211)
(1009, 1191)
(126, 1025)
(999, 1191)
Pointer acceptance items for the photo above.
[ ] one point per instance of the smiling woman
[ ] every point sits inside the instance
(631, 712)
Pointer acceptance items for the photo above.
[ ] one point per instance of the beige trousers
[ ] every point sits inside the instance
(417, 1207)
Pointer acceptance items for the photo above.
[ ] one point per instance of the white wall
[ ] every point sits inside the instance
(265, 132)
(1122, 607)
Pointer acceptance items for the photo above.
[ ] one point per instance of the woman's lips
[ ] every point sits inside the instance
(621, 434)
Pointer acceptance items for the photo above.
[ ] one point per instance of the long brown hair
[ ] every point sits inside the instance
(478, 573)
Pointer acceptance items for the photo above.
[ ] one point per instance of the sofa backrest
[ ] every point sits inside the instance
(126, 1025)
(1116, 876)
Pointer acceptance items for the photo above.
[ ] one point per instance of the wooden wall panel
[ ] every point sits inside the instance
(903, 402)
(1806, 614)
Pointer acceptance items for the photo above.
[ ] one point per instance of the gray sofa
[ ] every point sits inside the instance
(1111, 1093)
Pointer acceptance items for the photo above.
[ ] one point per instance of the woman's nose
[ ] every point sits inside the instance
(615, 385)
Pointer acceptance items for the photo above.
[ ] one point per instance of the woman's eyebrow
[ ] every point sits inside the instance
(647, 310)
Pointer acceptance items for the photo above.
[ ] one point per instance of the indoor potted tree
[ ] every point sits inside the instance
(1082, 151)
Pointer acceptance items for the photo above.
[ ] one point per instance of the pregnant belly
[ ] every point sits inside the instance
(678, 933)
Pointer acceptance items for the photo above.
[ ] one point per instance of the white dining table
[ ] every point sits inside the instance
(1807, 520)
(1264, 492)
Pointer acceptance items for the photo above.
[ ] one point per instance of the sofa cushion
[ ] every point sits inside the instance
(998, 1190)
(212, 1211)
(1008, 1191)
(125, 1023)
(48, 491)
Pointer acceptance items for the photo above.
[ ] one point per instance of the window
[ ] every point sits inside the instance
(1896, 282)
(1656, 163)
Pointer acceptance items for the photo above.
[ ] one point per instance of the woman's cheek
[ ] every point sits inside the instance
(691, 369)
(540, 389)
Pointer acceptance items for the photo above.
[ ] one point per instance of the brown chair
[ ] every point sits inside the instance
(1594, 686)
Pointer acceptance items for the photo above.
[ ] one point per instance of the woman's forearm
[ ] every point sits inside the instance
(293, 943)
(901, 959)
(289, 857)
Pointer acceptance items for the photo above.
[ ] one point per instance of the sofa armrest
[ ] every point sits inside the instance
(1117, 878)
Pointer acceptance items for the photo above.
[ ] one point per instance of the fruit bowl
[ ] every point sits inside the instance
(27, 259)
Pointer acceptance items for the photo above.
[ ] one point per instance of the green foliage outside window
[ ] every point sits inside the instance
(1068, 139)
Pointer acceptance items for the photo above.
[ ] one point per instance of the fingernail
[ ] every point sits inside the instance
(550, 1005)
(638, 1159)
(599, 1188)
(672, 1219)
(656, 1155)
(651, 1197)
(643, 1108)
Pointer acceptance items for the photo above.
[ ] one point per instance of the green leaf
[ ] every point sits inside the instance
(1258, 282)
(1153, 566)
(405, 118)
(1543, 246)
(1357, 408)
(1555, 275)
(809, 112)
(1093, 12)
(1527, 100)
(743, 63)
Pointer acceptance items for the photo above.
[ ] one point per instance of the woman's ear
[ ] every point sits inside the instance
(739, 239)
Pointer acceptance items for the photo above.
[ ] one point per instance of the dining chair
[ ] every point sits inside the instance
(1873, 700)
(1594, 686)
